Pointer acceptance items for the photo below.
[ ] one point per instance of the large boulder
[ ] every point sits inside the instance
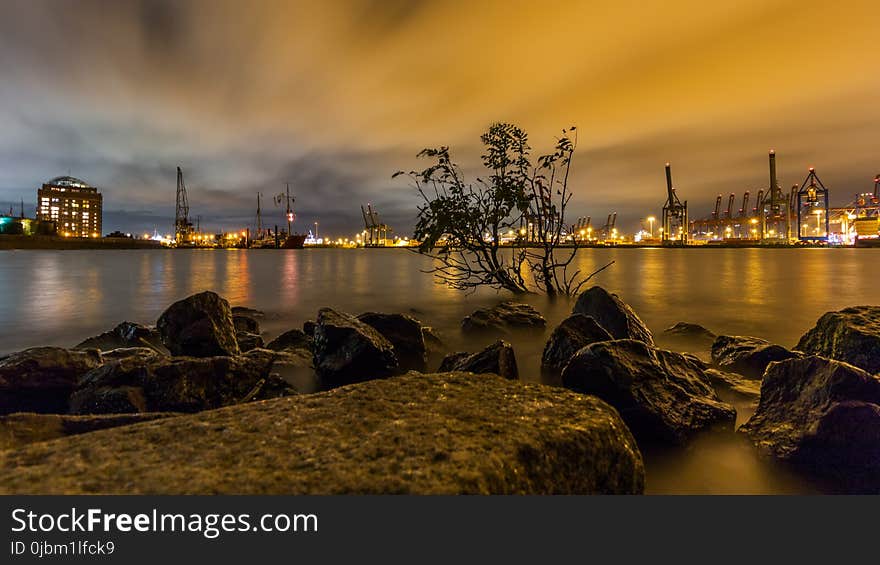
(503, 317)
(126, 334)
(497, 359)
(819, 412)
(348, 350)
(851, 335)
(18, 430)
(661, 395)
(415, 434)
(292, 339)
(570, 335)
(199, 326)
(405, 334)
(748, 356)
(732, 384)
(613, 314)
(248, 341)
(40, 379)
(179, 384)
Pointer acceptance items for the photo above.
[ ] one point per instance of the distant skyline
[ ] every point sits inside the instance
(336, 96)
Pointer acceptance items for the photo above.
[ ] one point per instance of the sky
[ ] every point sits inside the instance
(334, 97)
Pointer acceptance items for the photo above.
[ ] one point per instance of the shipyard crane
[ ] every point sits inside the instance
(376, 231)
(775, 206)
(744, 209)
(728, 214)
(183, 228)
(812, 199)
(675, 214)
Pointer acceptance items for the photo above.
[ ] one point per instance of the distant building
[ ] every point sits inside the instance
(73, 205)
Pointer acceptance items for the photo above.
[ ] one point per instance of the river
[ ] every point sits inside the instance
(61, 297)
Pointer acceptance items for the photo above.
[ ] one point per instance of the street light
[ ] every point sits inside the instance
(651, 224)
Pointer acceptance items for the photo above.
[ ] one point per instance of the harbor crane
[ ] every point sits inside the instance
(675, 215)
(183, 227)
(376, 232)
(812, 199)
(775, 208)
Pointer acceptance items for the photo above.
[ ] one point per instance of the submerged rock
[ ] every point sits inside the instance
(348, 350)
(503, 317)
(819, 412)
(247, 341)
(199, 326)
(613, 314)
(179, 384)
(748, 356)
(851, 335)
(405, 334)
(124, 335)
(245, 324)
(18, 430)
(690, 333)
(296, 368)
(570, 335)
(660, 394)
(292, 339)
(497, 359)
(737, 385)
(41, 379)
(415, 434)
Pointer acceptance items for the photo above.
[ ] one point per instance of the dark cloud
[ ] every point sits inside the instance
(335, 96)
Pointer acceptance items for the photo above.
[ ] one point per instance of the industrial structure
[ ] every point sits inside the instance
(183, 227)
(674, 223)
(73, 205)
(375, 231)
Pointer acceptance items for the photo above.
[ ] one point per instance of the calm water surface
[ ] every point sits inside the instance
(61, 297)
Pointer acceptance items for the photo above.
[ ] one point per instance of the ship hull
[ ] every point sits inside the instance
(295, 241)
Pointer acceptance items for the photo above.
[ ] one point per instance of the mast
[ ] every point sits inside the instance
(289, 211)
(259, 218)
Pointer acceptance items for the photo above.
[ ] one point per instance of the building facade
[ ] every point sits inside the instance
(73, 205)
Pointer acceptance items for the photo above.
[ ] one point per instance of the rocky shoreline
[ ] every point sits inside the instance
(203, 403)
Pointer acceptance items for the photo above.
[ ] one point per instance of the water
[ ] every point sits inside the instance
(61, 297)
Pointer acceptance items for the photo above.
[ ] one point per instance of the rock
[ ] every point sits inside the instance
(819, 412)
(405, 334)
(178, 384)
(691, 333)
(505, 316)
(295, 367)
(851, 335)
(570, 335)
(309, 328)
(696, 361)
(497, 359)
(451, 360)
(144, 354)
(613, 314)
(348, 350)
(245, 324)
(249, 312)
(126, 334)
(18, 430)
(292, 339)
(748, 356)
(733, 383)
(40, 379)
(433, 343)
(247, 341)
(414, 434)
(199, 326)
(660, 394)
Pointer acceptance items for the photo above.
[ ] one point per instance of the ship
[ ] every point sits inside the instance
(279, 239)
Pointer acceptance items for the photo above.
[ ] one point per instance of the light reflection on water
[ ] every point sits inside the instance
(61, 297)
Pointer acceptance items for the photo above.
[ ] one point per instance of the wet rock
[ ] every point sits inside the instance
(348, 350)
(433, 343)
(414, 434)
(144, 354)
(292, 339)
(503, 317)
(40, 379)
(126, 334)
(178, 384)
(737, 385)
(660, 394)
(451, 360)
(405, 334)
(690, 333)
(748, 356)
(245, 324)
(296, 368)
(696, 361)
(819, 412)
(249, 312)
(497, 359)
(309, 327)
(570, 335)
(199, 326)
(247, 341)
(18, 430)
(613, 314)
(851, 335)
